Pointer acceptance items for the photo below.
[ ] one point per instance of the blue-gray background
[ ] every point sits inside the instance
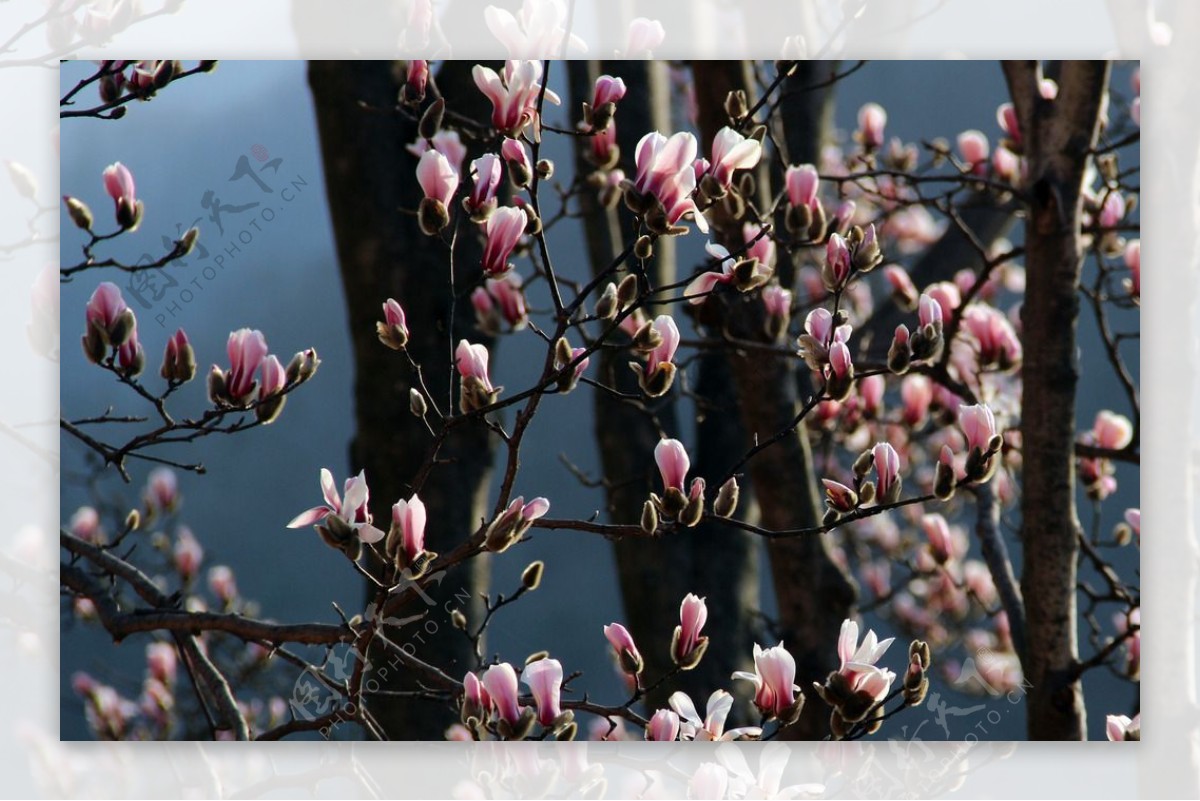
(284, 280)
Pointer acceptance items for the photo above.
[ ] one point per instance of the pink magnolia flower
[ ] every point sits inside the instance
(488, 171)
(819, 325)
(604, 151)
(665, 352)
(978, 425)
(351, 509)
(929, 311)
(222, 583)
(274, 378)
(1134, 518)
(528, 512)
(500, 682)
(997, 341)
(838, 496)
(1121, 727)
(500, 299)
(973, 148)
(947, 295)
(106, 308)
(837, 261)
(504, 229)
(187, 553)
(515, 152)
(858, 662)
(938, 531)
(871, 390)
(840, 361)
(622, 642)
(607, 90)
(802, 183)
(916, 393)
(758, 247)
(514, 96)
(774, 679)
(887, 471)
(446, 142)
(1006, 164)
(246, 350)
(416, 77)
(731, 151)
(162, 489)
(475, 698)
(1112, 210)
(711, 727)
(85, 524)
(179, 361)
(698, 290)
(395, 324)
(1006, 118)
(693, 614)
(118, 183)
(437, 177)
(409, 517)
(1112, 431)
(544, 678)
(673, 463)
(162, 662)
(777, 300)
(902, 285)
(664, 170)
(871, 121)
(472, 361)
(663, 726)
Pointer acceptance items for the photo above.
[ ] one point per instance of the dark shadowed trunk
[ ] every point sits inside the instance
(1058, 136)
(656, 574)
(813, 593)
(371, 185)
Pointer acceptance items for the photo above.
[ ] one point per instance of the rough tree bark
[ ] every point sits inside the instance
(656, 574)
(1058, 136)
(382, 253)
(814, 594)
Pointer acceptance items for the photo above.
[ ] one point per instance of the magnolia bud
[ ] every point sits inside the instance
(416, 402)
(568, 732)
(93, 345)
(649, 521)
(303, 366)
(606, 306)
(866, 492)
(268, 410)
(432, 216)
(627, 291)
(133, 520)
(643, 248)
(919, 650)
(727, 499)
(647, 338)
(736, 106)
(943, 481)
(458, 620)
(431, 120)
(692, 512)
(188, 241)
(79, 212)
(545, 169)
(863, 464)
(531, 577)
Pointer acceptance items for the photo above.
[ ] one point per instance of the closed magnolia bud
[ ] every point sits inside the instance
(545, 169)
(831, 517)
(519, 174)
(866, 492)
(533, 223)
(643, 248)
(133, 520)
(900, 354)
(431, 120)
(727, 499)
(268, 410)
(432, 216)
(567, 733)
(864, 463)
(416, 402)
(943, 481)
(602, 115)
(692, 512)
(164, 73)
(1122, 534)
(129, 215)
(109, 90)
(915, 695)
(217, 394)
(818, 225)
(93, 345)
(302, 367)
(606, 306)
(627, 292)
(919, 650)
(531, 577)
(79, 212)
(188, 241)
(735, 105)
(207, 66)
(122, 329)
(458, 620)
(649, 521)
(562, 352)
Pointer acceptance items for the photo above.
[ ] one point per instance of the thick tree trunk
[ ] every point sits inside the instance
(656, 574)
(813, 593)
(370, 181)
(1059, 135)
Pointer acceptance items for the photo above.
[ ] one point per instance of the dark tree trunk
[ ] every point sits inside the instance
(371, 185)
(1058, 136)
(813, 593)
(656, 574)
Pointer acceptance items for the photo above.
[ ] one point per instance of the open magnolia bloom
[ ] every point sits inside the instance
(712, 726)
(342, 521)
